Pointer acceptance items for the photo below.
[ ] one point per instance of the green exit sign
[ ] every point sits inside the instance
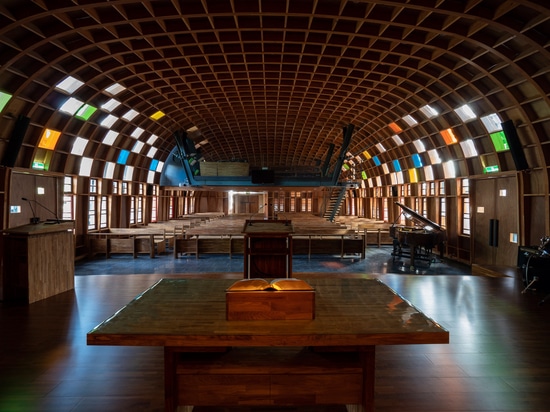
(490, 169)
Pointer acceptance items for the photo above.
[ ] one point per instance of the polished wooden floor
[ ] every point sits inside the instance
(498, 358)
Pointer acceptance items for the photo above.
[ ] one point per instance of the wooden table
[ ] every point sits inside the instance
(212, 361)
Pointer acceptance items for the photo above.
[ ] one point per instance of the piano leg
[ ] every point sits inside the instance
(396, 249)
(421, 253)
(413, 254)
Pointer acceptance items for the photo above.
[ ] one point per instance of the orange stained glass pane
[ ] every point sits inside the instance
(449, 136)
(395, 127)
(49, 139)
(366, 154)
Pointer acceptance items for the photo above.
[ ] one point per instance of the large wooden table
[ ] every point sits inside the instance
(212, 361)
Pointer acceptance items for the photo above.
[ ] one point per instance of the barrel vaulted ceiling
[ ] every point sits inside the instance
(274, 82)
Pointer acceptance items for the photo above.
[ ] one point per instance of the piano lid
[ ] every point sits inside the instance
(419, 219)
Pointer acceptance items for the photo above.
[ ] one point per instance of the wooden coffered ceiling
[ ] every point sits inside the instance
(273, 82)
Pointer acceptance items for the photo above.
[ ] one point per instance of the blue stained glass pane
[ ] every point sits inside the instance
(417, 160)
(376, 161)
(396, 165)
(154, 164)
(123, 157)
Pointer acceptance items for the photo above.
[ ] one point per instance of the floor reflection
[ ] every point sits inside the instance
(377, 260)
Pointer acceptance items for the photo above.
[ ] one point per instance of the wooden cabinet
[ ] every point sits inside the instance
(270, 376)
(268, 248)
(38, 261)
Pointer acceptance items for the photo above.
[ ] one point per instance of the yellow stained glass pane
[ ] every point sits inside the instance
(157, 115)
(42, 159)
(413, 176)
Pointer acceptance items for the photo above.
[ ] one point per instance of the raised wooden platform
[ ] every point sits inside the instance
(494, 271)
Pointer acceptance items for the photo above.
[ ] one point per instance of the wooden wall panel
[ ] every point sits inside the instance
(25, 185)
(536, 226)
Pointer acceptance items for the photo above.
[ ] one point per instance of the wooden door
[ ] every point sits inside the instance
(249, 204)
(496, 221)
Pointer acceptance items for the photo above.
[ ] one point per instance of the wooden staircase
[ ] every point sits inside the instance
(334, 198)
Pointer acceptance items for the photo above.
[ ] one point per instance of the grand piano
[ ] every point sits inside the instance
(416, 242)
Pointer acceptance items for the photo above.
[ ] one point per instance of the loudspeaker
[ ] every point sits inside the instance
(493, 232)
(189, 146)
(179, 137)
(515, 145)
(262, 176)
(16, 140)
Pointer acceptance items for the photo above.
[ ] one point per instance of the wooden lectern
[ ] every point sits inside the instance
(38, 261)
(268, 248)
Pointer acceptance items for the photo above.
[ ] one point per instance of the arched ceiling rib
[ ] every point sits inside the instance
(274, 82)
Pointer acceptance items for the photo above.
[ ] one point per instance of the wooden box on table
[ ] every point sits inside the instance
(280, 299)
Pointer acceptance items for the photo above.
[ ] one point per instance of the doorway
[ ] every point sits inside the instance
(250, 203)
(496, 221)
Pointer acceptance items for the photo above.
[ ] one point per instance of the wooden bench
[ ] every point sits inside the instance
(376, 232)
(312, 244)
(132, 241)
(209, 244)
(312, 236)
(329, 244)
(377, 236)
